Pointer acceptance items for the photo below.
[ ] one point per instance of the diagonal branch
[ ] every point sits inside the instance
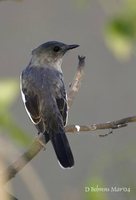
(31, 152)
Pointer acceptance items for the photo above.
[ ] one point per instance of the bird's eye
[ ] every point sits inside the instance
(56, 48)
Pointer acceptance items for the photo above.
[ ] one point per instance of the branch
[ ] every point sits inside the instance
(37, 145)
(108, 125)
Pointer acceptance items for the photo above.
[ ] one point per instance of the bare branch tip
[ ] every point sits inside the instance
(122, 125)
(81, 60)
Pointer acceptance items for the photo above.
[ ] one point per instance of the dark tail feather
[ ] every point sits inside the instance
(62, 149)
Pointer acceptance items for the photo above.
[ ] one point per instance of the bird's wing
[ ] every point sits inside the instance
(31, 103)
(62, 103)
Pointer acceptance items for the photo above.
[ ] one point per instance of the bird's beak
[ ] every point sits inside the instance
(72, 46)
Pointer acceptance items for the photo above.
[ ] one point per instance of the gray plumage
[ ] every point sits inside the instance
(44, 96)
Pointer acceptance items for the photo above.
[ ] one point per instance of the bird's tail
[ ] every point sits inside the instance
(62, 149)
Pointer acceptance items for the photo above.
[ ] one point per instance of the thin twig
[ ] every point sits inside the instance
(75, 85)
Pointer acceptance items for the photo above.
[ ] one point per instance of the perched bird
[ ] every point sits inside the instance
(44, 96)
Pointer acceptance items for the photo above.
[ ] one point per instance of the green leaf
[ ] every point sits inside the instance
(9, 89)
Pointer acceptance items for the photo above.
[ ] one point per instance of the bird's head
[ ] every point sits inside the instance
(51, 52)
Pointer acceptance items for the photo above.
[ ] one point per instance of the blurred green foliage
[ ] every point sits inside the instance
(121, 30)
(8, 93)
(9, 90)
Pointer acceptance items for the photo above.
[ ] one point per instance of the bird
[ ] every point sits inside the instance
(45, 98)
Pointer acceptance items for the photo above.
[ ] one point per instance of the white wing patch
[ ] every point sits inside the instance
(67, 109)
(24, 101)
